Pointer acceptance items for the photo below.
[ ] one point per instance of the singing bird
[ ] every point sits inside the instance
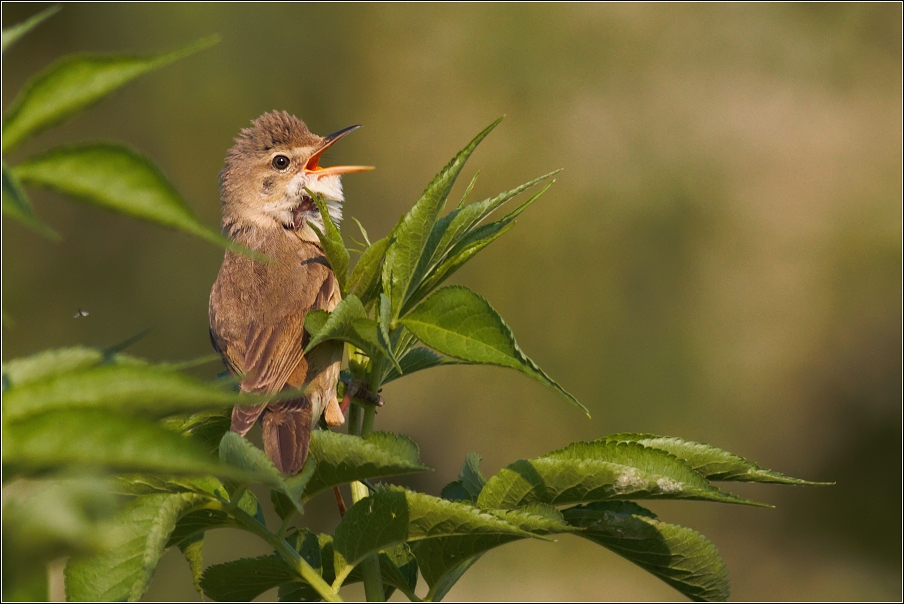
(258, 307)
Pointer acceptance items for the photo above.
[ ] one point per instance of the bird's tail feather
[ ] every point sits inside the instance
(287, 434)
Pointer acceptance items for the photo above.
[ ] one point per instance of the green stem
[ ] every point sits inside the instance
(370, 567)
(288, 554)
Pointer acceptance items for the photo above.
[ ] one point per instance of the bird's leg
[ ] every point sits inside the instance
(358, 389)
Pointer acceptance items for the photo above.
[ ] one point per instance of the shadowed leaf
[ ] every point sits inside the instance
(17, 205)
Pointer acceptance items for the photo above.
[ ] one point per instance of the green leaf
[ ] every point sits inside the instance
(341, 458)
(12, 34)
(120, 388)
(584, 472)
(418, 359)
(410, 235)
(124, 571)
(331, 241)
(713, 463)
(17, 205)
(245, 579)
(457, 322)
(238, 452)
(455, 491)
(192, 548)
(116, 178)
(78, 438)
(19, 372)
(449, 231)
(471, 478)
(53, 519)
(683, 558)
(467, 247)
(348, 323)
(365, 280)
(75, 83)
(394, 516)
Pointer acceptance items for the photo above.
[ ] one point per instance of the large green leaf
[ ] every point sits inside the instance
(410, 235)
(394, 516)
(244, 579)
(124, 571)
(54, 519)
(48, 363)
(331, 242)
(75, 83)
(341, 458)
(585, 472)
(448, 232)
(713, 463)
(348, 323)
(115, 178)
(95, 438)
(12, 34)
(123, 389)
(457, 322)
(683, 558)
(365, 279)
(240, 453)
(17, 205)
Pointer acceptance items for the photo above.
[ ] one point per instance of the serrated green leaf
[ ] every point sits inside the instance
(457, 322)
(75, 83)
(449, 231)
(683, 558)
(342, 458)
(93, 438)
(455, 491)
(471, 478)
(135, 389)
(348, 323)
(244, 579)
(12, 34)
(17, 205)
(394, 516)
(332, 244)
(124, 571)
(410, 235)
(116, 178)
(467, 193)
(713, 463)
(418, 359)
(365, 279)
(240, 453)
(585, 472)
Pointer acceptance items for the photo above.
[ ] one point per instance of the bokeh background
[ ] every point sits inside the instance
(720, 259)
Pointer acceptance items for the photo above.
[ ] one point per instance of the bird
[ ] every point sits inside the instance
(258, 305)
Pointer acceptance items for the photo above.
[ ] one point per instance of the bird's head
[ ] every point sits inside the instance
(270, 167)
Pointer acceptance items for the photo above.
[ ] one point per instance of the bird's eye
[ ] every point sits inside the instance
(281, 162)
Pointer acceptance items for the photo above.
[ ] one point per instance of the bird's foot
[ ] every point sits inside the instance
(357, 389)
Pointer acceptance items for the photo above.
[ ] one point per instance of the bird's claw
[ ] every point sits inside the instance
(357, 389)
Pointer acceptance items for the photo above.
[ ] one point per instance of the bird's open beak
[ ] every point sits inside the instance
(313, 167)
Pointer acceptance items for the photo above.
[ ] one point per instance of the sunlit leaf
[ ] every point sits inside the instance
(12, 34)
(192, 549)
(713, 463)
(341, 458)
(115, 178)
(683, 558)
(95, 438)
(122, 388)
(585, 472)
(75, 83)
(410, 235)
(457, 322)
(124, 571)
(348, 323)
(240, 453)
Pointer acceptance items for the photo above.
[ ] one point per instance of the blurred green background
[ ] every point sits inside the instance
(720, 259)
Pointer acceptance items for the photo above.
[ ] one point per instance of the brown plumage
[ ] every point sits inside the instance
(258, 308)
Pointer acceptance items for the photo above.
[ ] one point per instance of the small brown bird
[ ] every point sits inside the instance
(258, 308)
